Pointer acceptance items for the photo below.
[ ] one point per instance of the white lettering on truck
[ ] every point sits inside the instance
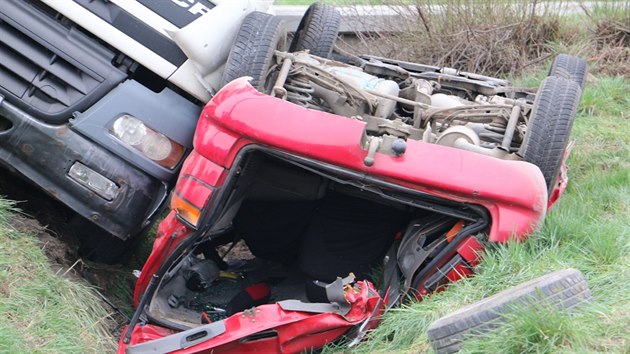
(193, 7)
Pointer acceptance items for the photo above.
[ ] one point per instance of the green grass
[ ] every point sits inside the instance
(588, 229)
(41, 311)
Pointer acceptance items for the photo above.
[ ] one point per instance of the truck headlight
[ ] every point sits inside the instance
(93, 181)
(154, 145)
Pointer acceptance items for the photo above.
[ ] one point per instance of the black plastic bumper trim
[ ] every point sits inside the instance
(43, 154)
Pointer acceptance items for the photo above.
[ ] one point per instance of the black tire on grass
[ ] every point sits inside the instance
(569, 67)
(317, 30)
(550, 124)
(253, 50)
(563, 289)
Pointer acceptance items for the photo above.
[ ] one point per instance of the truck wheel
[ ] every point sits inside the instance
(98, 245)
(550, 124)
(252, 53)
(570, 68)
(317, 30)
(563, 289)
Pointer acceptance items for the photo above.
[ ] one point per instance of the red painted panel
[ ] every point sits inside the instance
(513, 191)
(198, 178)
(295, 330)
(470, 250)
(170, 233)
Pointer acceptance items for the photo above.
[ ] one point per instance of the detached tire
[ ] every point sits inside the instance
(563, 289)
(550, 124)
(317, 30)
(252, 53)
(570, 68)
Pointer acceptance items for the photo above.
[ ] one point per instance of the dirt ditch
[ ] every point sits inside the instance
(47, 220)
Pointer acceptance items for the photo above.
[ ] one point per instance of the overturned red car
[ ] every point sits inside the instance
(322, 193)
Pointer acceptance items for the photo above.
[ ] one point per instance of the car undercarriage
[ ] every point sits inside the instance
(400, 101)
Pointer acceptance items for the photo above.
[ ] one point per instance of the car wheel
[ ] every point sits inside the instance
(570, 68)
(317, 30)
(550, 124)
(252, 53)
(563, 289)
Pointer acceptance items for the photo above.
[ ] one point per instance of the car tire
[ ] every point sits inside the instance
(550, 124)
(317, 30)
(563, 289)
(570, 68)
(253, 51)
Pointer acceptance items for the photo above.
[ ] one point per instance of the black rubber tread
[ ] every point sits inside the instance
(569, 67)
(317, 30)
(96, 244)
(253, 50)
(564, 297)
(550, 124)
(567, 300)
(564, 289)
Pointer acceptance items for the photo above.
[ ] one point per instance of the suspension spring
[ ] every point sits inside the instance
(300, 91)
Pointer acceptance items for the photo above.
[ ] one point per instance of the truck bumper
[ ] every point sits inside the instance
(44, 153)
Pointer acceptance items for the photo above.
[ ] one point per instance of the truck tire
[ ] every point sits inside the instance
(98, 245)
(550, 124)
(570, 68)
(317, 30)
(252, 53)
(563, 289)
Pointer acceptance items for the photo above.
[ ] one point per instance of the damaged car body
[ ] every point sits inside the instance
(312, 199)
(320, 193)
(326, 214)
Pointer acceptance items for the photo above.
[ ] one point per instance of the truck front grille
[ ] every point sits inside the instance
(49, 68)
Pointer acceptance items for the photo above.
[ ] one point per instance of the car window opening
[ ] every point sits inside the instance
(287, 233)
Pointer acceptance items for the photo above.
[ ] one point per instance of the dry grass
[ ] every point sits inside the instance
(500, 38)
(494, 37)
(611, 42)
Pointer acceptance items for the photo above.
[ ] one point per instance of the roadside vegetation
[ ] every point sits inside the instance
(500, 37)
(44, 309)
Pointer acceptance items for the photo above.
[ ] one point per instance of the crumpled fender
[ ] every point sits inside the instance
(294, 330)
(170, 233)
